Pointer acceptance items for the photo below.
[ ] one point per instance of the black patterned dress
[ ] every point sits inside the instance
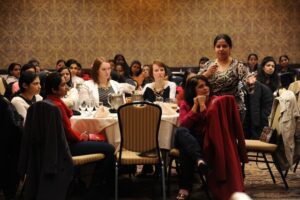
(231, 81)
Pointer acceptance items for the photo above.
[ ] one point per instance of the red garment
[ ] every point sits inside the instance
(86, 77)
(180, 95)
(224, 147)
(66, 113)
(196, 122)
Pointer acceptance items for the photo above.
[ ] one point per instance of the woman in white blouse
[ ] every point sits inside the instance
(30, 88)
(71, 98)
(101, 85)
(160, 87)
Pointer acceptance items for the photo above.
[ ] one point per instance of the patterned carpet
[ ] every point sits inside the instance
(258, 185)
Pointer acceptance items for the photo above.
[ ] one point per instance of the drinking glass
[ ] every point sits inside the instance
(90, 106)
(82, 106)
(172, 103)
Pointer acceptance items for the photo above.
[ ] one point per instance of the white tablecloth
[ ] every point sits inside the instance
(110, 125)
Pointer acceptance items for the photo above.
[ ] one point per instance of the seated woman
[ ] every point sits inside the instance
(267, 74)
(101, 85)
(252, 62)
(259, 105)
(75, 68)
(189, 137)
(160, 87)
(136, 73)
(146, 75)
(180, 89)
(13, 87)
(29, 84)
(79, 143)
(71, 98)
(14, 72)
(286, 74)
(124, 74)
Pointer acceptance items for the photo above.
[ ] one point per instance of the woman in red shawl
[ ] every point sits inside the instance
(79, 143)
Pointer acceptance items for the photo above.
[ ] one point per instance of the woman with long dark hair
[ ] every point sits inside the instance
(71, 98)
(29, 84)
(267, 73)
(189, 137)
(79, 143)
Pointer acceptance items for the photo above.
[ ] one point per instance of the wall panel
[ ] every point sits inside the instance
(177, 32)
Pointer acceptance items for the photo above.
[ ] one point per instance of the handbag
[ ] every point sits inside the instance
(266, 134)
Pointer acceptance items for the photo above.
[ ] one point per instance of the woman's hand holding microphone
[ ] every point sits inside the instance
(211, 70)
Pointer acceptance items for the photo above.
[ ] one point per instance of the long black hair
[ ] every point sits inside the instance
(53, 81)
(272, 81)
(27, 78)
(190, 88)
(69, 83)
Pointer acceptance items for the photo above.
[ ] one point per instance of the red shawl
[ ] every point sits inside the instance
(66, 114)
(224, 147)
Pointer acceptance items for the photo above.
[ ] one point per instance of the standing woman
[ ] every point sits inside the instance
(30, 88)
(101, 85)
(160, 87)
(71, 98)
(227, 75)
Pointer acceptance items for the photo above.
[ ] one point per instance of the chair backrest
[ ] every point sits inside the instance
(45, 157)
(139, 126)
(2, 86)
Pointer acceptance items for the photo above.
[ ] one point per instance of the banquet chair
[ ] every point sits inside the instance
(139, 124)
(258, 147)
(86, 159)
(263, 148)
(45, 159)
(2, 86)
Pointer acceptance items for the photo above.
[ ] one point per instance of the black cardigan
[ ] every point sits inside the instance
(45, 157)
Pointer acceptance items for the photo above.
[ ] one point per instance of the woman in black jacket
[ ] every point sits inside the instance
(259, 105)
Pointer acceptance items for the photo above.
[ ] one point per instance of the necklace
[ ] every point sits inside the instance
(104, 87)
(223, 66)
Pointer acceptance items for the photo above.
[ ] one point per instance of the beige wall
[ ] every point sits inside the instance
(177, 32)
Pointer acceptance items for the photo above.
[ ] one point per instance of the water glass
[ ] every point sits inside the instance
(172, 103)
(82, 106)
(90, 106)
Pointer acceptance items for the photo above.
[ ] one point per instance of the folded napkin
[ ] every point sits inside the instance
(101, 112)
(167, 108)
